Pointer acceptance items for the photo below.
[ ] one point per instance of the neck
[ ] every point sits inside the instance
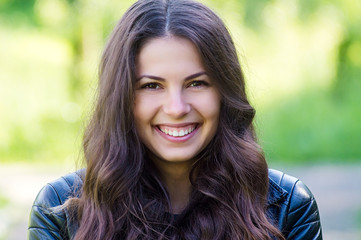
(179, 189)
(176, 179)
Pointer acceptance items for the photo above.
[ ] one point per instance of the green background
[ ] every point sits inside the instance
(302, 61)
(301, 58)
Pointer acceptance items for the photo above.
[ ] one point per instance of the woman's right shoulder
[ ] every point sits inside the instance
(47, 218)
(57, 192)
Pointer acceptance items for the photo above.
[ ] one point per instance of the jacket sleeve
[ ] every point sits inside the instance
(47, 220)
(303, 219)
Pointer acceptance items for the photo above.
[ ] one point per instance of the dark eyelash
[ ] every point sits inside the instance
(150, 85)
(200, 83)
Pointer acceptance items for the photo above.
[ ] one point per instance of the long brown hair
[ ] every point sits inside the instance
(122, 195)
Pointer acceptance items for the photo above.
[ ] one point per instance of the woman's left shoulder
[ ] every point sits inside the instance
(293, 207)
(288, 185)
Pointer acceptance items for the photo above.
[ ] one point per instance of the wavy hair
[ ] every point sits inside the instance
(122, 195)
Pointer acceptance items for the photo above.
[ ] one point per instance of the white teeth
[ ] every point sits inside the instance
(176, 133)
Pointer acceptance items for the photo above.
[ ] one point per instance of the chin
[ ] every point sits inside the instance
(177, 159)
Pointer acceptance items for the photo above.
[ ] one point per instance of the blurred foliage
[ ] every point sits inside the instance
(302, 61)
(3, 201)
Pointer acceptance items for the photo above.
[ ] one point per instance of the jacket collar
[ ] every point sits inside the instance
(275, 193)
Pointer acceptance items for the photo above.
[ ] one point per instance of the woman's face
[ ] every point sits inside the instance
(176, 104)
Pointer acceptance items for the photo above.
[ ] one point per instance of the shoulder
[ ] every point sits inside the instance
(47, 218)
(294, 206)
(289, 185)
(57, 192)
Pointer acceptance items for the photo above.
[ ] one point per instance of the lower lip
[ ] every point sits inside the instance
(177, 139)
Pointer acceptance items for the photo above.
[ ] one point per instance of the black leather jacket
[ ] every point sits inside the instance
(290, 204)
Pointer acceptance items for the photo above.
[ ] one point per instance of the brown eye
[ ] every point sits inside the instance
(198, 83)
(151, 85)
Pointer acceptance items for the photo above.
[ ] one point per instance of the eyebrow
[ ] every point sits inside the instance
(162, 79)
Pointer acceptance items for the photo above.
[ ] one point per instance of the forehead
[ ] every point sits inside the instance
(162, 55)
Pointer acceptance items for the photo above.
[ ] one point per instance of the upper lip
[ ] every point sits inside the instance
(177, 125)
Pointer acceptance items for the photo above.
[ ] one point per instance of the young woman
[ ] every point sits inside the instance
(170, 150)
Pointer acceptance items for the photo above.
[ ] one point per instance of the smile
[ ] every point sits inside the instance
(177, 131)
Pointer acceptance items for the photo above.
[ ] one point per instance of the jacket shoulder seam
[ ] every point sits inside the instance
(42, 204)
(289, 197)
(311, 199)
(308, 223)
(47, 229)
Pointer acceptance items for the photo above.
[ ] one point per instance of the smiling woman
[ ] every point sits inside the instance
(170, 150)
(176, 107)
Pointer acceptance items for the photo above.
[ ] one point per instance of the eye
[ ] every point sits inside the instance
(151, 85)
(198, 83)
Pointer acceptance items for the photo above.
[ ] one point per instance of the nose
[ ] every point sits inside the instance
(176, 104)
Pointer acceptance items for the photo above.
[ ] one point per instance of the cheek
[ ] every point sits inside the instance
(144, 111)
(209, 105)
